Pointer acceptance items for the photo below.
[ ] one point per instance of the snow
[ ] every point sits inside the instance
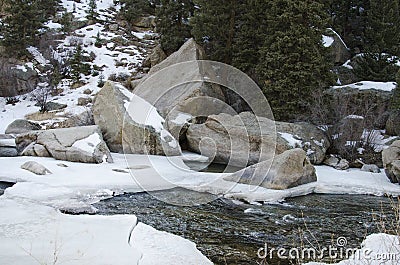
(11, 113)
(363, 85)
(37, 55)
(31, 228)
(339, 37)
(142, 112)
(327, 41)
(377, 139)
(376, 249)
(182, 118)
(347, 64)
(53, 25)
(291, 139)
(88, 144)
(354, 117)
(28, 215)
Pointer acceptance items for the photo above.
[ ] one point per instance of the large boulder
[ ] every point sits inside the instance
(238, 140)
(169, 88)
(16, 78)
(8, 147)
(245, 139)
(372, 104)
(306, 136)
(289, 169)
(339, 51)
(156, 56)
(130, 124)
(145, 22)
(393, 123)
(78, 144)
(22, 126)
(391, 161)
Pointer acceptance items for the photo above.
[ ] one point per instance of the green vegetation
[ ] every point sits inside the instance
(173, 23)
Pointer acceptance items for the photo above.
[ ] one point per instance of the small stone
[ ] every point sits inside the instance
(371, 168)
(84, 101)
(120, 170)
(62, 165)
(87, 91)
(35, 168)
(343, 165)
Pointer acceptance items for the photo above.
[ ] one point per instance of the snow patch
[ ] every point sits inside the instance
(364, 85)
(292, 140)
(327, 41)
(88, 144)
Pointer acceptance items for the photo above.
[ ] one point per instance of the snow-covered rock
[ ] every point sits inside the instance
(289, 169)
(130, 124)
(77, 144)
(245, 139)
(304, 135)
(340, 53)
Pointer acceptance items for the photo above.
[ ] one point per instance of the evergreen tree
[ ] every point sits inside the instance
(293, 61)
(76, 63)
(214, 26)
(20, 28)
(382, 42)
(250, 34)
(133, 9)
(66, 21)
(383, 27)
(348, 19)
(376, 67)
(173, 23)
(92, 14)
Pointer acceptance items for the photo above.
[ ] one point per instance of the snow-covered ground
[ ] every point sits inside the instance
(377, 249)
(32, 229)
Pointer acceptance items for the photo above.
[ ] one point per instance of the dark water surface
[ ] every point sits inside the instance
(228, 233)
(4, 185)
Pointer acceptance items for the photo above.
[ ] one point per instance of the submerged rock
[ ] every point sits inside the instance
(287, 170)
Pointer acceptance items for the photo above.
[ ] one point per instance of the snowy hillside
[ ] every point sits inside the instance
(119, 55)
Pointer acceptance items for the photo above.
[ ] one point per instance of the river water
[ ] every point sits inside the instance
(231, 233)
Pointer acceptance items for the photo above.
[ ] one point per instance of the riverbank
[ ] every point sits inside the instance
(32, 229)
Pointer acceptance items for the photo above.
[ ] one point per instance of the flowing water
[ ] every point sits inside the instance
(231, 233)
(4, 185)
